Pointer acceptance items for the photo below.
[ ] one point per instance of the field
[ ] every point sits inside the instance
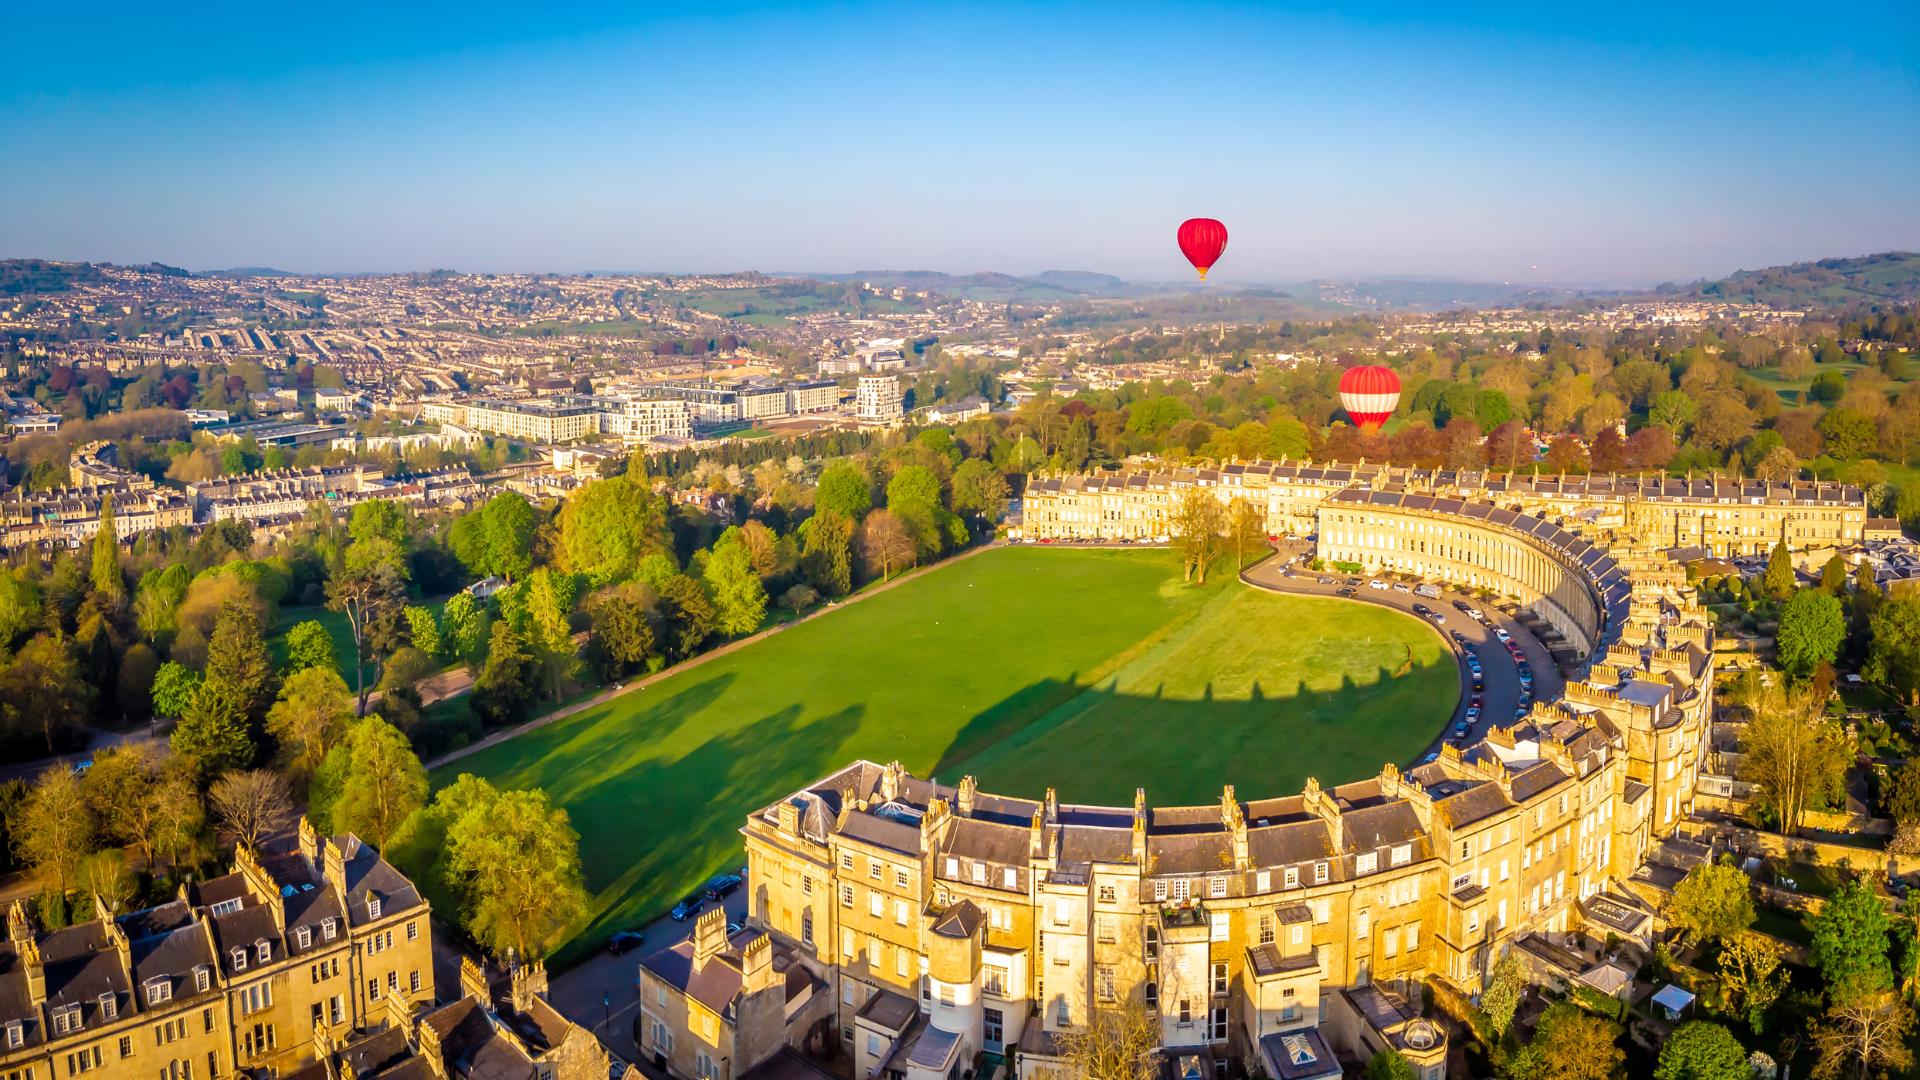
(1082, 670)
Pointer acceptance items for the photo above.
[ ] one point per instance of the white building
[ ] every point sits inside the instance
(878, 398)
(820, 395)
(636, 418)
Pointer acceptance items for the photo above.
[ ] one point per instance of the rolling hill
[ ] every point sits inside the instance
(1889, 277)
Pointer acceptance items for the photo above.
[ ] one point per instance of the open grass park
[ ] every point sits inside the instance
(1093, 671)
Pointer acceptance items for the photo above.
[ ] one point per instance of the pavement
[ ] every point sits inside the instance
(602, 993)
(98, 739)
(1286, 572)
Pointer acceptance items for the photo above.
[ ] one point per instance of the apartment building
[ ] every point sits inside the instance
(241, 972)
(69, 517)
(538, 421)
(878, 398)
(945, 922)
(812, 396)
(1725, 517)
(637, 419)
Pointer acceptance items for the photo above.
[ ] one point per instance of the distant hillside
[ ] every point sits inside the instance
(32, 277)
(1430, 294)
(1891, 277)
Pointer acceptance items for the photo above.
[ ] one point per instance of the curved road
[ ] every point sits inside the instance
(1502, 694)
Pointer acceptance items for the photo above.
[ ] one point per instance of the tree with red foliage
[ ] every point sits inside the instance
(1649, 448)
(1609, 451)
(1566, 454)
(1463, 444)
(177, 391)
(1509, 448)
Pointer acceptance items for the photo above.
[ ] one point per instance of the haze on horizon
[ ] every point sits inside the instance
(1617, 146)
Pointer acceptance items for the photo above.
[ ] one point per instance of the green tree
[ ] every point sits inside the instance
(507, 523)
(1568, 1044)
(310, 646)
(53, 830)
(913, 489)
(548, 630)
(1903, 793)
(1850, 942)
(381, 519)
(1850, 433)
(1833, 576)
(1778, 580)
(1795, 753)
(1389, 1065)
(1506, 986)
(1893, 652)
(1673, 410)
(979, 489)
(516, 860)
(237, 658)
(1713, 901)
(827, 554)
(424, 630)
(42, 687)
(313, 707)
(369, 589)
(620, 639)
(107, 579)
(463, 626)
(173, 688)
(1197, 527)
(212, 732)
(382, 781)
(503, 691)
(608, 526)
(1812, 628)
(1698, 1050)
(739, 600)
(843, 490)
(20, 606)
(688, 615)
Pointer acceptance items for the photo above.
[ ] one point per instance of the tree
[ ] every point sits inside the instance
(517, 861)
(252, 806)
(424, 630)
(1698, 1050)
(503, 691)
(54, 828)
(979, 489)
(688, 615)
(1506, 986)
(212, 732)
(1867, 1033)
(1778, 580)
(1115, 1044)
(843, 489)
(104, 876)
(1893, 655)
(307, 719)
(21, 609)
(1795, 753)
(237, 659)
(369, 589)
(173, 688)
(108, 582)
(1713, 901)
(739, 600)
(1196, 529)
(310, 646)
(177, 812)
(1568, 1044)
(1812, 627)
(43, 688)
(608, 526)
(1833, 576)
(619, 636)
(507, 525)
(827, 553)
(1850, 942)
(1752, 977)
(121, 787)
(1903, 793)
(381, 783)
(548, 630)
(885, 544)
(914, 489)
(1389, 1065)
(463, 626)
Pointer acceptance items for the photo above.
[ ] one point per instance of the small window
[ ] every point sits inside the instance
(1217, 887)
(201, 979)
(1366, 864)
(373, 906)
(1291, 878)
(413, 930)
(109, 1006)
(159, 991)
(327, 929)
(16, 1034)
(1402, 854)
(1010, 879)
(264, 950)
(303, 936)
(1319, 873)
(239, 959)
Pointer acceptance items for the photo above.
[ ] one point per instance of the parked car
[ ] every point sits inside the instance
(688, 908)
(1326, 581)
(1501, 633)
(1349, 592)
(1463, 607)
(1473, 714)
(1376, 583)
(721, 885)
(1401, 586)
(1422, 609)
(1462, 729)
(625, 942)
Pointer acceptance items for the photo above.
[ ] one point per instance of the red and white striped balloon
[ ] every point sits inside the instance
(1369, 394)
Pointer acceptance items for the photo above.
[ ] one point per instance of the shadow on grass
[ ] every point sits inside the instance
(1097, 744)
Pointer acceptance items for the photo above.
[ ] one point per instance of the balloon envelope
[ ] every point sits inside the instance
(1202, 239)
(1369, 394)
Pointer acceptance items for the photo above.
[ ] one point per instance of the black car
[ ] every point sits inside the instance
(1462, 606)
(688, 908)
(1422, 609)
(624, 942)
(1460, 730)
(721, 885)
(1348, 592)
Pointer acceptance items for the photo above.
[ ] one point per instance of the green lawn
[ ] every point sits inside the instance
(337, 628)
(1083, 670)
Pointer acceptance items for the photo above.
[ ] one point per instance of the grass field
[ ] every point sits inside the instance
(341, 631)
(1091, 671)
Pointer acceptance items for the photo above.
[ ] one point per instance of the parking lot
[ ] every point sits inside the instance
(1501, 668)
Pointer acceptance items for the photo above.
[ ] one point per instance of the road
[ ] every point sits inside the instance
(602, 993)
(1502, 694)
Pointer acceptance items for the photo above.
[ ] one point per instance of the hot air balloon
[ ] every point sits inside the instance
(1202, 239)
(1369, 393)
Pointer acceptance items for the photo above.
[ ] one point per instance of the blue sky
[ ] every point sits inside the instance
(1616, 144)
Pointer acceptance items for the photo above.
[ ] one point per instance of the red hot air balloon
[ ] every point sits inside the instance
(1369, 394)
(1202, 239)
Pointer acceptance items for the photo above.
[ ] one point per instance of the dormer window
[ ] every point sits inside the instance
(263, 950)
(1366, 864)
(326, 929)
(373, 906)
(225, 907)
(159, 991)
(66, 1020)
(109, 1006)
(303, 936)
(201, 977)
(239, 959)
(16, 1034)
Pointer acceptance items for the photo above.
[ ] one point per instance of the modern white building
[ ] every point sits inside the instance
(878, 398)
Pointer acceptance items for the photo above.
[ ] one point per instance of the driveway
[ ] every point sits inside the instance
(1502, 695)
(602, 992)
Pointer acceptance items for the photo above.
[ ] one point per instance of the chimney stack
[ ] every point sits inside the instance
(963, 796)
(756, 965)
(709, 936)
(473, 980)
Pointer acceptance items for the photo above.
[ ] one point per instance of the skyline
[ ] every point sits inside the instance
(1513, 145)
